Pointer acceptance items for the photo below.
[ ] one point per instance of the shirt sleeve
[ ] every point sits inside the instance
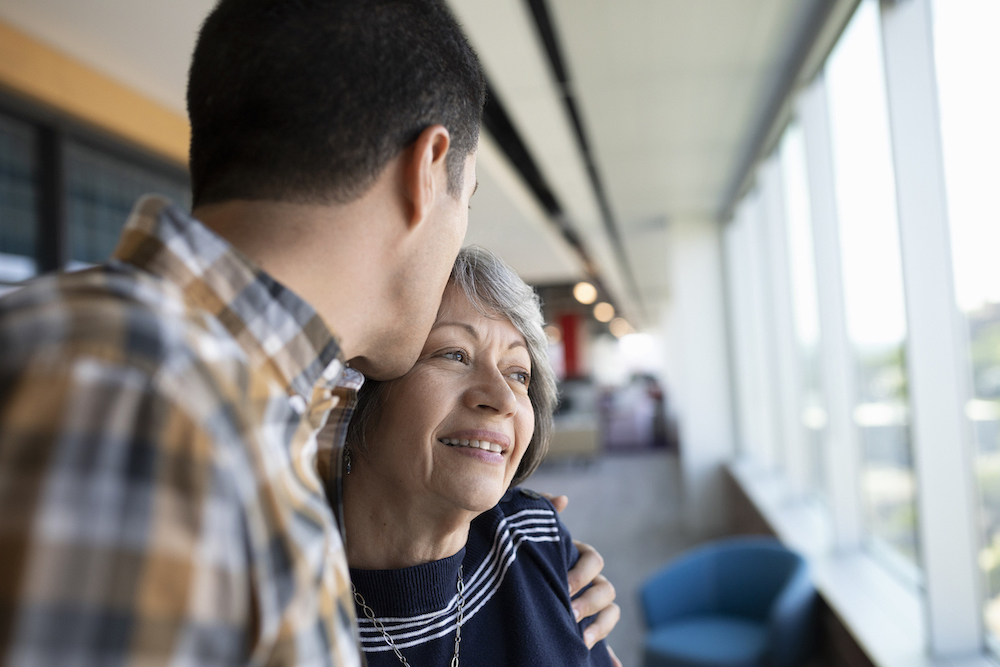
(121, 539)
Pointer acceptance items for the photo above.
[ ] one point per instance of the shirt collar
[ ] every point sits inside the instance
(273, 324)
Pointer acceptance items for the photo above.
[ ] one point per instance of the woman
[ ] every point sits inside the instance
(449, 562)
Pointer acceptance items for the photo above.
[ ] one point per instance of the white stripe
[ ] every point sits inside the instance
(430, 620)
(378, 643)
(487, 580)
(474, 582)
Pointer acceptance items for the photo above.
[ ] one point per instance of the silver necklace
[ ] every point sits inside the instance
(388, 640)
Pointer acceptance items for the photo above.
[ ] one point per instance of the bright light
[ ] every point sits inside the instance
(554, 334)
(585, 293)
(620, 327)
(604, 312)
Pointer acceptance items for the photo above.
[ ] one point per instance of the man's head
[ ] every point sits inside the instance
(307, 101)
(362, 118)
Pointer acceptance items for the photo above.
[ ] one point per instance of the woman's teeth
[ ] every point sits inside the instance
(478, 444)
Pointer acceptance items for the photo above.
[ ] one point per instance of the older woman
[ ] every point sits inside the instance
(450, 562)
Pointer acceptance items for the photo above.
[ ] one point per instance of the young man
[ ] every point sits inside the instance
(158, 468)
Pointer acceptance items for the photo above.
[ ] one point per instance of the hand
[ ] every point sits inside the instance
(559, 502)
(614, 658)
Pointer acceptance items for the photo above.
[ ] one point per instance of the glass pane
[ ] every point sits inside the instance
(805, 301)
(101, 192)
(873, 284)
(17, 201)
(967, 55)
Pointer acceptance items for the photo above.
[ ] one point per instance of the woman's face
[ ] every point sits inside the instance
(454, 429)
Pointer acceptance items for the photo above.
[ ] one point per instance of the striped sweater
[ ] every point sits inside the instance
(517, 604)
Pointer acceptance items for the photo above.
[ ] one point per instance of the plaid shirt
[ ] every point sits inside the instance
(160, 500)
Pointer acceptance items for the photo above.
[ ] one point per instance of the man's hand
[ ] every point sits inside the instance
(598, 599)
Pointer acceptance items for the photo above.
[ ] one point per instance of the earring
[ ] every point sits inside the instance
(347, 459)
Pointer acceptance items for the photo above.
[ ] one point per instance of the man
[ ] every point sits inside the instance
(158, 466)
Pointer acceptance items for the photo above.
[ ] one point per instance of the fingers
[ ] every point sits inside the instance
(614, 658)
(559, 502)
(586, 569)
(595, 599)
(602, 625)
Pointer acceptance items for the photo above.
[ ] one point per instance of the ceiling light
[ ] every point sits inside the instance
(620, 327)
(585, 293)
(604, 312)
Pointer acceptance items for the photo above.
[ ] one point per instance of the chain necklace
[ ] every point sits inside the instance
(388, 640)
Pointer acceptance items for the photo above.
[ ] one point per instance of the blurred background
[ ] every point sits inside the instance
(766, 236)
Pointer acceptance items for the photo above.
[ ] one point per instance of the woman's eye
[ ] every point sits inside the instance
(520, 376)
(456, 355)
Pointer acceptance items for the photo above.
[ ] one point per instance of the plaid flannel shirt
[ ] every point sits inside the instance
(160, 500)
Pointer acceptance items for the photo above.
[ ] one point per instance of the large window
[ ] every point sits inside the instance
(802, 267)
(17, 201)
(967, 55)
(101, 190)
(66, 192)
(873, 286)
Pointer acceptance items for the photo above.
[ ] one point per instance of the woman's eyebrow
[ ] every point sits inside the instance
(461, 325)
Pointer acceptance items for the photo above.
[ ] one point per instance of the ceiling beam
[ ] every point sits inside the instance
(546, 32)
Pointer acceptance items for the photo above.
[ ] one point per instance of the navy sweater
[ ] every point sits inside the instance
(517, 604)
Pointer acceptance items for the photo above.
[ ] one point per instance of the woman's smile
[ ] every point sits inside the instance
(488, 446)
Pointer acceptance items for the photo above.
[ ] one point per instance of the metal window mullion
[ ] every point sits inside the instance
(936, 354)
(841, 450)
(51, 245)
(758, 282)
(785, 342)
(741, 306)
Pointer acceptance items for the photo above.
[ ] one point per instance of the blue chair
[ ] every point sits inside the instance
(735, 602)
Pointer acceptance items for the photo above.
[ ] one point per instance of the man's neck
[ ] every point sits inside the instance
(388, 528)
(329, 255)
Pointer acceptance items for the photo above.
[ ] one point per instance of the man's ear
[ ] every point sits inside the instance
(425, 174)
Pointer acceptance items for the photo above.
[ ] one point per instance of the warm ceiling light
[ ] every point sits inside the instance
(604, 312)
(585, 293)
(554, 334)
(620, 327)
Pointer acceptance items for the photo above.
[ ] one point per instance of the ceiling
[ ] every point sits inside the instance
(671, 95)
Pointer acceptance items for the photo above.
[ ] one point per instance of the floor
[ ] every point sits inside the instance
(628, 507)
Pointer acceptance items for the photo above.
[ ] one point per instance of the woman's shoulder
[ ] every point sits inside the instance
(520, 512)
(518, 499)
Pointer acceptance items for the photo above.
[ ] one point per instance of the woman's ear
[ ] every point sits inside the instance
(425, 172)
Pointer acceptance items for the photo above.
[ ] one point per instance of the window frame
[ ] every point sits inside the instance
(52, 132)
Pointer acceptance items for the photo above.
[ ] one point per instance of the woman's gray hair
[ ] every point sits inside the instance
(496, 291)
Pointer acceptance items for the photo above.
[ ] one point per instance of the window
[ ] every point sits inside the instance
(805, 306)
(66, 191)
(873, 287)
(17, 201)
(967, 58)
(101, 191)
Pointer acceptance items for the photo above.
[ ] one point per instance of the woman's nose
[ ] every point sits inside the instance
(492, 391)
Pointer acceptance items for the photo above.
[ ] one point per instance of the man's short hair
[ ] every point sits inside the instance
(308, 100)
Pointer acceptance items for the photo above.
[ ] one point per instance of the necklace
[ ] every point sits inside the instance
(388, 640)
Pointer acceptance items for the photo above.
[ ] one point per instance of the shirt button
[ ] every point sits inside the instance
(298, 403)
